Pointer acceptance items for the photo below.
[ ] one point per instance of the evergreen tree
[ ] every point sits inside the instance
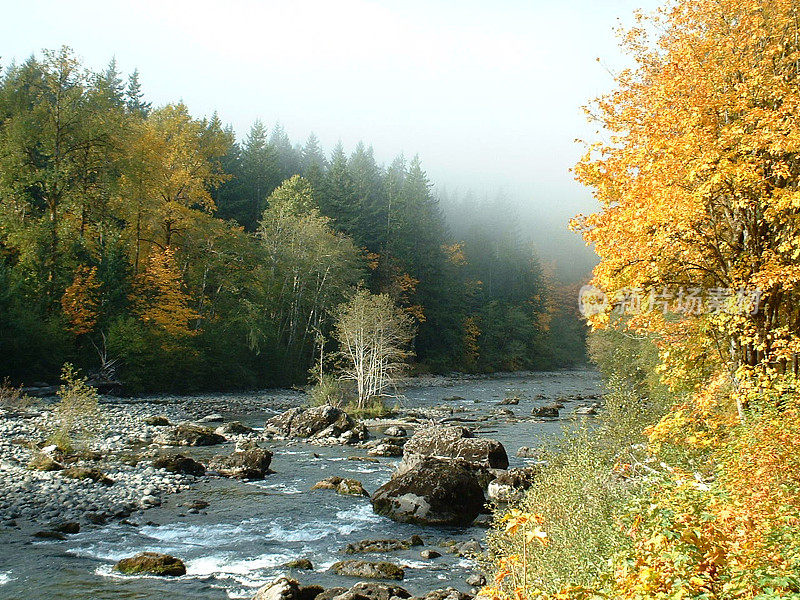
(135, 97)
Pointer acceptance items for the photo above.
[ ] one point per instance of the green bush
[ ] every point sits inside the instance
(77, 413)
(591, 476)
(328, 390)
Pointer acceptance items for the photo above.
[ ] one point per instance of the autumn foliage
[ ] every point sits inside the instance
(699, 185)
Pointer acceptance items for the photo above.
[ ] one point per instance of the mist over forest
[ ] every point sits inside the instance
(159, 250)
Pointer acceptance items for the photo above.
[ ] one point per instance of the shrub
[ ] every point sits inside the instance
(12, 398)
(567, 525)
(327, 391)
(77, 413)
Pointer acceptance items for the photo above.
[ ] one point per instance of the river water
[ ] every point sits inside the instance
(251, 529)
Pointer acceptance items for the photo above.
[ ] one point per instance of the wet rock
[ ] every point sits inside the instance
(329, 483)
(300, 563)
(429, 554)
(83, 473)
(233, 428)
(346, 487)
(511, 484)
(50, 535)
(151, 563)
(251, 462)
(70, 527)
(331, 593)
(528, 452)
(157, 421)
(178, 463)
(547, 412)
(453, 399)
(351, 487)
(189, 434)
(508, 402)
(382, 545)
(368, 569)
(386, 448)
(369, 459)
(446, 594)
(468, 549)
(476, 580)
(212, 418)
(433, 492)
(310, 592)
(373, 590)
(197, 505)
(586, 410)
(281, 588)
(395, 431)
(446, 442)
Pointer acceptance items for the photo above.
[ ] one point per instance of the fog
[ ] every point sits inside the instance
(488, 94)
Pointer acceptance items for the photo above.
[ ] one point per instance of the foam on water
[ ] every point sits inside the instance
(5, 577)
(229, 565)
(283, 487)
(208, 534)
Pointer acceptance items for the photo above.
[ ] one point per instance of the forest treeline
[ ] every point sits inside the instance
(146, 244)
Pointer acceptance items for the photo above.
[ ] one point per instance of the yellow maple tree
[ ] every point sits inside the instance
(698, 177)
(160, 297)
(80, 303)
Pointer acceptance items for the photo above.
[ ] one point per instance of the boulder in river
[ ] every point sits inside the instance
(189, 434)
(446, 442)
(318, 422)
(387, 447)
(509, 485)
(157, 421)
(433, 492)
(345, 487)
(368, 570)
(300, 563)
(395, 431)
(249, 462)
(547, 412)
(281, 588)
(382, 545)
(234, 428)
(151, 563)
(446, 594)
(178, 463)
(373, 590)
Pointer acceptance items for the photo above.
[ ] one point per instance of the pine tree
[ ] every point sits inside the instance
(135, 96)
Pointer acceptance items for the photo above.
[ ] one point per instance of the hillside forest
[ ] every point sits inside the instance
(153, 248)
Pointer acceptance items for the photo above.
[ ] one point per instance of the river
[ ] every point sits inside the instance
(251, 529)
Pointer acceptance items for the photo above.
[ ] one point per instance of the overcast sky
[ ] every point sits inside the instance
(488, 93)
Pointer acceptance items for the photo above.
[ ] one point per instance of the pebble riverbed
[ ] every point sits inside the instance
(251, 528)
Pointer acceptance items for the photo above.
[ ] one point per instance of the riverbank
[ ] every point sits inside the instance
(235, 535)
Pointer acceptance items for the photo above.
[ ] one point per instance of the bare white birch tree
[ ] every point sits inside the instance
(374, 338)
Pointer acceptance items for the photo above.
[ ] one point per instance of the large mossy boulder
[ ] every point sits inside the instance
(365, 569)
(445, 442)
(151, 563)
(189, 434)
(433, 492)
(248, 462)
